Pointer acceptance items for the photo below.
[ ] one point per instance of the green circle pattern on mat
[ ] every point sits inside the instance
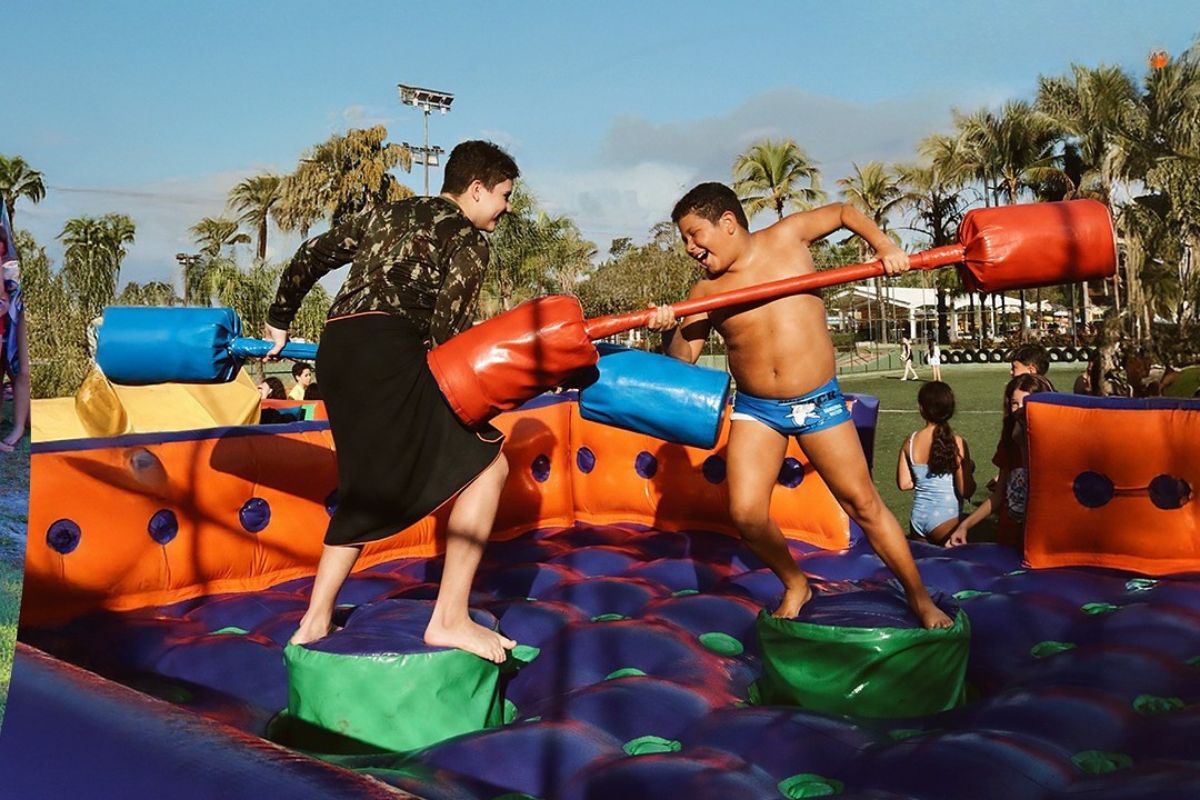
(1096, 609)
(525, 653)
(900, 734)
(645, 745)
(684, 592)
(1098, 762)
(721, 643)
(515, 796)
(609, 617)
(1153, 704)
(1050, 648)
(232, 629)
(809, 784)
(625, 672)
(967, 594)
(1193, 662)
(1140, 584)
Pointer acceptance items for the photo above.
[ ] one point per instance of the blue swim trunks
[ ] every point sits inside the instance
(821, 408)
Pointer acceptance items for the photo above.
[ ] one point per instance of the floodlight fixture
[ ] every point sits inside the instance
(427, 100)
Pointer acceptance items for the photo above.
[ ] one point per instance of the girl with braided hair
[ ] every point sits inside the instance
(935, 464)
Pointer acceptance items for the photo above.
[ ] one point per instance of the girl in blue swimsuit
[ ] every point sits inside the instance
(935, 463)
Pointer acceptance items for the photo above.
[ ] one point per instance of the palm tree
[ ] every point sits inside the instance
(95, 248)
(256, 198)
(341, 176)
(18, 180)
(933, 193)
(875, 191)
(1016, 148)
(772, 175)
(1093, 108)
(205, 274)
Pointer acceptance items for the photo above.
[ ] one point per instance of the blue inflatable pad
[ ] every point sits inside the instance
(656, 395)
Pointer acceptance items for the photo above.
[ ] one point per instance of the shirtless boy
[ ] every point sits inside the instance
(782, 358)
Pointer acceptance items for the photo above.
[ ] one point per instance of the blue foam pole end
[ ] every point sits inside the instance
(656, 395)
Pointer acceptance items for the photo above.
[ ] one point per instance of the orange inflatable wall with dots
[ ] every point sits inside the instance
(1113, 483)
(152, 519)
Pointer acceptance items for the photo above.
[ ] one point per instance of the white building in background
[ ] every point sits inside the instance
(912, 311)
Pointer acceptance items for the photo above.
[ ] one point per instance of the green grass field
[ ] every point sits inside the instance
(978, 392)
(14, 515)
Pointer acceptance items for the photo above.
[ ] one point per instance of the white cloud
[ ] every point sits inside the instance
(643, 167)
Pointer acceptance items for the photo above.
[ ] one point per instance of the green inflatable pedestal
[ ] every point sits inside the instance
(377, 682)
(862, 654)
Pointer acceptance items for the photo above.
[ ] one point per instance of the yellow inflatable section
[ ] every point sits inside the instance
(101, 408)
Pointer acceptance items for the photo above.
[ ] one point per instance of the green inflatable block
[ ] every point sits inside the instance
(376, 681)
(864, 672)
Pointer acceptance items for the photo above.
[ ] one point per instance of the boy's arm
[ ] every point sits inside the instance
(809, 226)
(684, 341)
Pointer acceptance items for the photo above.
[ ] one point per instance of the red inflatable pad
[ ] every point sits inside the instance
(1040, 244)
(499, 364)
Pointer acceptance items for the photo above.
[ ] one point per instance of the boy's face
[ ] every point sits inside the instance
(306, 377)
(707, 241)
(484, 206)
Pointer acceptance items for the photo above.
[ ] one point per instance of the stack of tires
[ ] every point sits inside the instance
(992, 355)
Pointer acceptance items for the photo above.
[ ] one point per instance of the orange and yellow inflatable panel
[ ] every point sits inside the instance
(154, 518)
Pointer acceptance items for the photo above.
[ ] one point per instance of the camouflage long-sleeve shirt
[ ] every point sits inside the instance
(419, 258)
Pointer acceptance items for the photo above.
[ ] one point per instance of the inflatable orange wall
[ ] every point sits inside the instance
(1112, 483)
(150, 519)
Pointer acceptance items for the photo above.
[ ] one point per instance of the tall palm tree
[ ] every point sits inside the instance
(255, 198)
(1016, 148)
(341, 176)
(776, 175)
(95, 248)
(216, 236)
(205, 274)
(1093, 108)
(933, 193)
(18, 180)
(874, 190)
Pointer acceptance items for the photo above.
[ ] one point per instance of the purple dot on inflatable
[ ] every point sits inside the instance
(791, 474)
(163, 526)
(646, 464)
(585, 459)
(331, 502)
(255, 514)
(541, 468)
(1168, 492)
(63, 536)
(1092, 489)
(713, 469)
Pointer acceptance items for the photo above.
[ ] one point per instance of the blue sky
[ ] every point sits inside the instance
(612, 109)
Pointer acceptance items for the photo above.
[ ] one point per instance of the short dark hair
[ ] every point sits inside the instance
(299, 367)
(710, 201)
(1032, 355)
(477, 160)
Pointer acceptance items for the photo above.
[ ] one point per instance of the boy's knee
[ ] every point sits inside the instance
(750, 518)
(863, 504)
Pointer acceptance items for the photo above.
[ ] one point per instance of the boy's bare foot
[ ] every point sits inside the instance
(310, 631)
(933, 617)
(472, 637)
(793, 600)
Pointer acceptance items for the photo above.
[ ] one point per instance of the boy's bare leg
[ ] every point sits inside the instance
(467, 533)
(336, 563)
(754, 457)
(837, 455)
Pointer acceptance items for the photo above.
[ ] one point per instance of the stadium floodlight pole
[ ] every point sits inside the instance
(429, 156)
(427, 100)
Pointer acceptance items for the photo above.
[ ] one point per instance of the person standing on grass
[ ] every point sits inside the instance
(906, 355)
